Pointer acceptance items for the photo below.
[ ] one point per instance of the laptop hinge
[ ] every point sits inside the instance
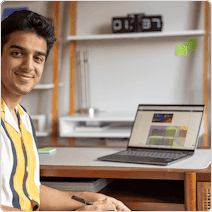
(160, 149)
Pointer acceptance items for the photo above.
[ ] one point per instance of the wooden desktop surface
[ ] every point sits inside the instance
(82, 162)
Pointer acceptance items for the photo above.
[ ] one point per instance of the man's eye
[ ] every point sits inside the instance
(40, 59)
(17, 53)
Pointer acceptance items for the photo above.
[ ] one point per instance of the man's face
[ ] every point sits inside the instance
(22, 62)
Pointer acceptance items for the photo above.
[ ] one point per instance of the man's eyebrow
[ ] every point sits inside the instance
(42, 53)
(22, 48)
(18, 47)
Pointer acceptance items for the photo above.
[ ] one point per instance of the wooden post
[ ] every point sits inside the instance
(190, 191)
(205, 85)
(72, 47)
(56, 21)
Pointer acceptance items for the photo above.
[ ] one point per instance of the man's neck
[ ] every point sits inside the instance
(11, 104)
(11, 101)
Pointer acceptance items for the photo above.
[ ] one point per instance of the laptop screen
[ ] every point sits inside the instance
(166, 126)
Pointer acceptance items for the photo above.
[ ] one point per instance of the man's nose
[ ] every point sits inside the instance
(27, 64)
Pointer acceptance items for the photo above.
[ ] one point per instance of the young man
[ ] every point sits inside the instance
(26, 40)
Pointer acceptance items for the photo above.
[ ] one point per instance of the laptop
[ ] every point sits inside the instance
(162, 135)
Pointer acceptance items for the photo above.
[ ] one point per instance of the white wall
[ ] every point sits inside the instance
(125, 73)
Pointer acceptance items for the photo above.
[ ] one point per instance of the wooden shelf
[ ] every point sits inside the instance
(136, 35)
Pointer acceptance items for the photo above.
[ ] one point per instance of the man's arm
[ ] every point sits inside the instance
(7, 208)
(56, 200)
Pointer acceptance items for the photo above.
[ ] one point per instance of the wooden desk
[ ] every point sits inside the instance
(81, 162)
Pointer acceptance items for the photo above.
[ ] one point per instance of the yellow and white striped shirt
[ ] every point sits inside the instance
(20, 169)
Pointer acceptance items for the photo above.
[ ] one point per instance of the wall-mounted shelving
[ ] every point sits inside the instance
(44, 86)
(125, 61)
(101, 116)
(40, 125)
(136, 35)
(39, 120)
(115, 125)
(42, 134)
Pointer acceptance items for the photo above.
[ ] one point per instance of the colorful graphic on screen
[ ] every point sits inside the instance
(158, 117)
(167, 135)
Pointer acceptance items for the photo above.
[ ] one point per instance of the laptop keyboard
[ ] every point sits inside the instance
(152, 154)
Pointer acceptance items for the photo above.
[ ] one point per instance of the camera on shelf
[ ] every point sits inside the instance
(137, 22)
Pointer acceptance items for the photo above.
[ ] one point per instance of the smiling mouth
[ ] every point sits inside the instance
(23, 77)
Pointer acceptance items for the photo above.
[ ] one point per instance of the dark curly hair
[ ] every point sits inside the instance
(26, 20)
